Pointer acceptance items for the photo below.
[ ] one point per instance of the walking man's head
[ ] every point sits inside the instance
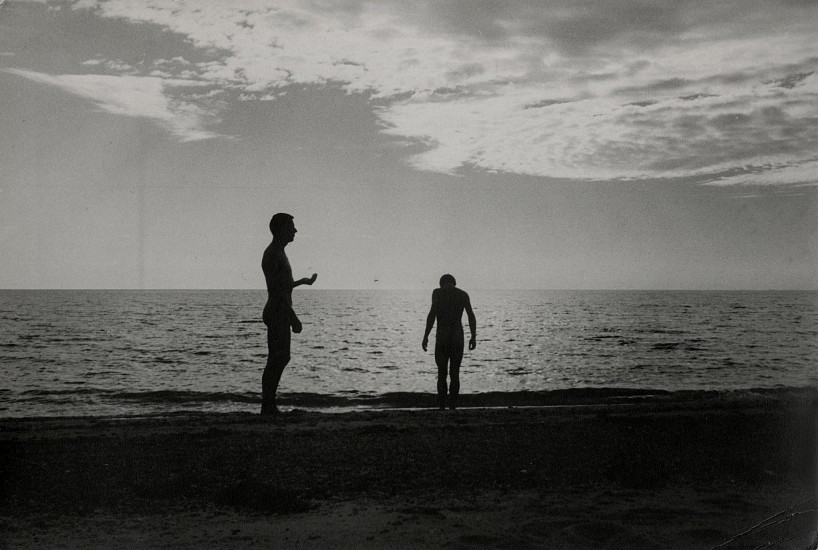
(447, 280)
(282, 227)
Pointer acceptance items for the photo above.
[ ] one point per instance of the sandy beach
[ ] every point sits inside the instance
(679, 470)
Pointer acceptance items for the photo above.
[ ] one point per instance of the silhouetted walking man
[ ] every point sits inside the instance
(448, 303)
(278, 312)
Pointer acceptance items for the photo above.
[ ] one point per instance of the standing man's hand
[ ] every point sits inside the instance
(472, 343)
(296, 325)
(425, 342)
(306, 280)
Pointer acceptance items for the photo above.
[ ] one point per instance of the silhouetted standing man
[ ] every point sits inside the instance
(448, 303)
(278, 312)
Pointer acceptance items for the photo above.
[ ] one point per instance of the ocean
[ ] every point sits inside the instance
(103, 352)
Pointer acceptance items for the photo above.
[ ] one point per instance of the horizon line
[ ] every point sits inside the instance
(490, 289)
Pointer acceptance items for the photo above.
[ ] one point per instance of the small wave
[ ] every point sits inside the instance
(178, 396)
(660, 331)
(666, 345)
(79, 391)
(159, 396)
(576, 396)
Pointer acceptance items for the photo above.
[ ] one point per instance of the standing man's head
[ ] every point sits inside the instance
(283, 228)
(447, 280)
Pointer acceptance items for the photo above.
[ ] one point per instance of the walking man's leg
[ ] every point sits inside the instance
(454, 374)
(442, 360)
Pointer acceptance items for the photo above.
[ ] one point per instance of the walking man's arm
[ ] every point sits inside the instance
(430, 320)
(472, 325)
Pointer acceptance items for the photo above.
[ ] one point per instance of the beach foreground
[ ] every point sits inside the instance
(680, 470)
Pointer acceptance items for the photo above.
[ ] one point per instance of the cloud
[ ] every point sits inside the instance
(590, 89)
(133, 96)
(602, 138)
(775, 175)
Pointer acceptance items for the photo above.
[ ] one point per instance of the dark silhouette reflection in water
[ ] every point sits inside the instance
(278, 311)
(448, 304)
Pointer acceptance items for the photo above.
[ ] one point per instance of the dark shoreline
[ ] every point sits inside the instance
(667, 471)
(196, 402)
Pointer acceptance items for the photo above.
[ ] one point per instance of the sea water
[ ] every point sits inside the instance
(99, 352)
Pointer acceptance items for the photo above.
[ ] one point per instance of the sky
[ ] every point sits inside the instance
(520, 144)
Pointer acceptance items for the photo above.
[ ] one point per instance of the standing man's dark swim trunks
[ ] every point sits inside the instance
(448, 304)
(278, 311)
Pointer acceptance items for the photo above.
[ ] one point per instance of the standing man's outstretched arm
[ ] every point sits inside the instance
(306, 280)
(295, 322)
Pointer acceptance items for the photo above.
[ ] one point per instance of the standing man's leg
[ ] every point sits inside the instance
(278, 355)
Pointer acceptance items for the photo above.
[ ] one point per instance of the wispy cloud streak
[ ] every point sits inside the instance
(134, 96)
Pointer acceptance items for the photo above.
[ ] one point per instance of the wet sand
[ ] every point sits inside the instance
(681, 470)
